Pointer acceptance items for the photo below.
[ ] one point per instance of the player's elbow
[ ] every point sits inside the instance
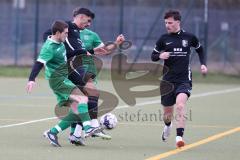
(199, 50)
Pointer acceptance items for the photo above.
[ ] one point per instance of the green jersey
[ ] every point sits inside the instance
(53, 56)
(90, 41)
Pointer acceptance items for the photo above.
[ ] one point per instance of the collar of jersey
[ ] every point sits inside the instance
(53, 41)
(177, 33)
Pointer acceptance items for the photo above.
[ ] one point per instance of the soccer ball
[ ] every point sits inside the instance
(108, 121)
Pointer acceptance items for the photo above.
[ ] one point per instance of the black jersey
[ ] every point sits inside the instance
(177, 66)
(73, 43)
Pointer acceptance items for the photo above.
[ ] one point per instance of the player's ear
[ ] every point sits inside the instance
(57, 32)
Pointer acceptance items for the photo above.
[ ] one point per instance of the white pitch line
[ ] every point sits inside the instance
(126, 106)
(26, 97)
(193, 96)
(28, 122)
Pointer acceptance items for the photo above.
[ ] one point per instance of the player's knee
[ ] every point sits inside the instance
(180, 106)
(97, 94)
(93, 93)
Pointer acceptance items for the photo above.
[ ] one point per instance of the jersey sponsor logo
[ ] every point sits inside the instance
(178, 52)
(184, 43)
(167, 43)
(177, 49)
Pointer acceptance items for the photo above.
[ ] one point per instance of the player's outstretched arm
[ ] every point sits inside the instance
(109, 47)
(35, 71)
(101, 51)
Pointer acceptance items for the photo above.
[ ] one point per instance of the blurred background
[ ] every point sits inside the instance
(215, 22)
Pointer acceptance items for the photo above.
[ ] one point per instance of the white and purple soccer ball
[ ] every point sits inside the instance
(108, 121)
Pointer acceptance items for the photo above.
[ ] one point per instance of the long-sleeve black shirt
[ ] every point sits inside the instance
(177, 66)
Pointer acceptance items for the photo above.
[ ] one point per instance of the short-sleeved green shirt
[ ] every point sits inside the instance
(53, 56)
(90, 41)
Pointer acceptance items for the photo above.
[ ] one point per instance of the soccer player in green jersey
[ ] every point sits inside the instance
(53, 57)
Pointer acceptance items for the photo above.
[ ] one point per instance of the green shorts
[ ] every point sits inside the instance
(62, 88)
(88, 62)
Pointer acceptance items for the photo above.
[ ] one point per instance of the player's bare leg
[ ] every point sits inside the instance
(180, 118)
(167, 118)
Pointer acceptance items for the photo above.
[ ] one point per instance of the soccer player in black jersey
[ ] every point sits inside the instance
(174, 48)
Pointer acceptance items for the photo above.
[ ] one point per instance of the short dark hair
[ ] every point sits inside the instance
(85, 11)
(174, 14)
(58, 26)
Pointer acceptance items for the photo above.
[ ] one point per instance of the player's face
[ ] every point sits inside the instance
(172, 25)
(88, 21)
(63, 35)
(84, 21)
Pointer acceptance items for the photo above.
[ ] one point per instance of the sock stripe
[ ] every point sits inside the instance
(58, 128)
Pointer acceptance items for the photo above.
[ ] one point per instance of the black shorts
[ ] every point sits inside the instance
(80, 77)
(169, 99)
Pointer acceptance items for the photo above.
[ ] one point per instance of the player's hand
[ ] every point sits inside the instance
(30, 85)
(120, 39)
(164, 55)
(204, 69)
(101, 51)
